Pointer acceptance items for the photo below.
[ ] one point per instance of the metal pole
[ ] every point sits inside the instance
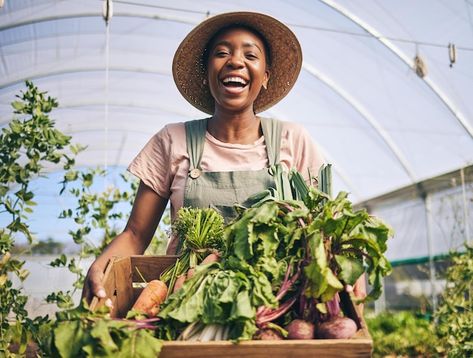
(428, 216)
(380, 303)
(465, 207)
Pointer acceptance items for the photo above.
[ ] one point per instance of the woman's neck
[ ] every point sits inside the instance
(241, 128)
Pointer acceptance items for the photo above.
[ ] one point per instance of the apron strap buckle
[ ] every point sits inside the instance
(195, 173)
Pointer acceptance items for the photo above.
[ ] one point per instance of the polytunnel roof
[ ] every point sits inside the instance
(380, 124)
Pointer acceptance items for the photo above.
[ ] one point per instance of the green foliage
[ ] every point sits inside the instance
(402, 334)
(81, 333)
(97, 210)
(277, 250)
(344, 244)
(27, 145)
(215, 295)
(455, 313)
(200, 232)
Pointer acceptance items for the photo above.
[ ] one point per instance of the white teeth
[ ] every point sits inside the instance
(234, 79)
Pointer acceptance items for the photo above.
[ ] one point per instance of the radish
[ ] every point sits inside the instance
(300, 329)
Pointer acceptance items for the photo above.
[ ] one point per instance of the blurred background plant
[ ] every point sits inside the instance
(454, 315)
(447, 332)
(402, 334)
(27, 145)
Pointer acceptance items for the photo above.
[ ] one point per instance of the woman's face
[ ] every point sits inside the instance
(236, 69)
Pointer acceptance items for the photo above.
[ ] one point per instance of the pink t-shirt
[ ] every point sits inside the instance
(163, 163)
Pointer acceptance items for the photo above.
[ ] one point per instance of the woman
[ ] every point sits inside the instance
(231, 66)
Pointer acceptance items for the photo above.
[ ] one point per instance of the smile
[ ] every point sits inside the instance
(234, 84)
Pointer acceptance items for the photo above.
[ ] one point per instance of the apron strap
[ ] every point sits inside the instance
(272, 129)
(195, 139)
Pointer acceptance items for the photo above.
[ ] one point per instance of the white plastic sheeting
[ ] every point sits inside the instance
(381, 125)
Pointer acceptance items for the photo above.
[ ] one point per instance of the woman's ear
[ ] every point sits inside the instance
(266, 79)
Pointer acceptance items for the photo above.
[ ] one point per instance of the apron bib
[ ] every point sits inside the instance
(223, 190)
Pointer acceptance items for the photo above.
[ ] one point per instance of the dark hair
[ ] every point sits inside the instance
(210, 43)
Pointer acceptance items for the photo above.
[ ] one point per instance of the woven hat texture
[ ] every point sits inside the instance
(285, 51)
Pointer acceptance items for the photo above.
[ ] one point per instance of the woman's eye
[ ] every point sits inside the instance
(251, 56)
(221, 53)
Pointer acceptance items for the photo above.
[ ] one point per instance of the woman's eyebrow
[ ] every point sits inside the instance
(245, 44)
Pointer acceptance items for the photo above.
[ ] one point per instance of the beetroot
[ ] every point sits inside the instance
(300, 329)
(336, 328)
(268, 334)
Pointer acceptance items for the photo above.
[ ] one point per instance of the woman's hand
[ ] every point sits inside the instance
(148, 208)
(93, 286)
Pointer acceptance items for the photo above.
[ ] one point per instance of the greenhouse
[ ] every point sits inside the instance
(384, 91)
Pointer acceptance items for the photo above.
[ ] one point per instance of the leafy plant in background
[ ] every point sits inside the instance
(402, 334)
(455, 312)
(97, 210)
(28, 144)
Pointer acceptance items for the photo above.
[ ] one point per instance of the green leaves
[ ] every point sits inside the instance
(322, 283)
(81, 333)
(353, 242)
(351, 268)
(199, 229)
(455, 313)
(402, 334)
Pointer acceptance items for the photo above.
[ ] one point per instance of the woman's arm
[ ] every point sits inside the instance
(148, 208)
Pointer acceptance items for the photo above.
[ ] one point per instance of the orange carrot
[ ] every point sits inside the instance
(190, 273)
(151, 297)
(210, 258)
(179, 282)
(207, 260)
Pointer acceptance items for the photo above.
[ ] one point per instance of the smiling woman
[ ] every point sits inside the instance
(231, 66)
(236, 70)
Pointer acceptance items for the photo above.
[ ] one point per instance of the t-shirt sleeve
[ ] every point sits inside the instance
(153, 164)
(308, 156)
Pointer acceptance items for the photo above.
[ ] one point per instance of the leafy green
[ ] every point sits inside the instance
(267, 247)
(215, 295)
(82, 333)
(351, 241)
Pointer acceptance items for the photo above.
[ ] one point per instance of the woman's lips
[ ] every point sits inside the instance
(234, 84)
(234, 90)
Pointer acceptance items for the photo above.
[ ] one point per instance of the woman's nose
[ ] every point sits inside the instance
(236, 60)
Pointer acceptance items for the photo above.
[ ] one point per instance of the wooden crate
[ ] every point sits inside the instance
(121, 279)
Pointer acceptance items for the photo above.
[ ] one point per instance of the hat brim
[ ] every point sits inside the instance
(286, 59)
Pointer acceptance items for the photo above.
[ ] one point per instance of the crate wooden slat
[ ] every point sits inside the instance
(122, 273)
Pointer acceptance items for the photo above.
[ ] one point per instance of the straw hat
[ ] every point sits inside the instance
(285, 53)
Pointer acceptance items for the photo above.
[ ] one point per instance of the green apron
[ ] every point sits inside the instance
(223, 190)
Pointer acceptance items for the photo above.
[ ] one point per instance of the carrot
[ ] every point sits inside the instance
(207, 260)
(179, 282)
(151, 297)
(190, 272)
(210, 258)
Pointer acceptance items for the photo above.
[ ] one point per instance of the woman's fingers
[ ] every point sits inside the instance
(93, 286)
